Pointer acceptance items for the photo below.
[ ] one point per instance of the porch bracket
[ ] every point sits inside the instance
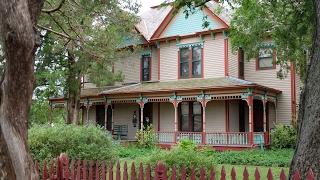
(204, 99)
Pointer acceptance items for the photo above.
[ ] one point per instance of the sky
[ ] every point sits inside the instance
(146, 4)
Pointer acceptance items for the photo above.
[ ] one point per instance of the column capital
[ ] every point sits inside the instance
(175, 100)
(203, 99)
(142, 101)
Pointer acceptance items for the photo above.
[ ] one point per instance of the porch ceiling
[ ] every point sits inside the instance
(187, 85)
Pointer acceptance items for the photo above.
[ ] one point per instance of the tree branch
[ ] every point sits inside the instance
(53, 9)
(55, 32)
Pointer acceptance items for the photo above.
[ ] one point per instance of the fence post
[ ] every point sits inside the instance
(133, 172)
(233, 174)
(161, 172)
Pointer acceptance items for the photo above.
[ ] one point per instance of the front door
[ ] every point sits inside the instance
(258, 116)
(147, 114)
(100, 115)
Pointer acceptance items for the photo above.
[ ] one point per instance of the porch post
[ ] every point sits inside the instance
(106, 115)
(141, 114)
(251, 127)
(88, 105)
(175, 100)
(264, 102)
(203, 99)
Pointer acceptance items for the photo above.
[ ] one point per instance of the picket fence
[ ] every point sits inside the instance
(64, 169)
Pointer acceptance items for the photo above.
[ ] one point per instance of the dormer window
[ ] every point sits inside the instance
(190, 62)
(266, 59)
(146, 68)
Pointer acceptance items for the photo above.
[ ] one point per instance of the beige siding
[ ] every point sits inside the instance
(234, 116)
(122, 115)
(215, 116)
(154, 67)
(233, 61)
(269, 78)
(130, 68)
(214, 56)
(166, 117)
(272, 115)
(169, 61)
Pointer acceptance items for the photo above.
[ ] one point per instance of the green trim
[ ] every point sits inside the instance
(190, 44)
(146, 52)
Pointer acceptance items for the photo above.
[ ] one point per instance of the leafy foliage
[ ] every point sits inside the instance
(283, 137)
(183, 155)
(87, 143)
(146, 138)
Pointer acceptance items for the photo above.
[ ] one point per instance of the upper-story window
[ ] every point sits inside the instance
(266, 59)
(190, 62)
(146, 68)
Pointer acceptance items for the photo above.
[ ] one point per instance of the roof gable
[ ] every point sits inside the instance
(180, 25)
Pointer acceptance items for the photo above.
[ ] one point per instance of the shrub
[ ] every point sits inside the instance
(184, 154)
(146, 138)
(283, 137)
(87, 143)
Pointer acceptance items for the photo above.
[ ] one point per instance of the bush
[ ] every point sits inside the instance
(184, 154)
(87, 143)
(283, 137)
(146, 138)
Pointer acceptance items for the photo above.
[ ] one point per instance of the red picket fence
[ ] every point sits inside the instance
(64, 169)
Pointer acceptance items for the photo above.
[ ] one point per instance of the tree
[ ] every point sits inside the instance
(294, 27)
(19, 40)
(82, 38)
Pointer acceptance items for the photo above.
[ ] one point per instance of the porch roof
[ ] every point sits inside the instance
(188, 84)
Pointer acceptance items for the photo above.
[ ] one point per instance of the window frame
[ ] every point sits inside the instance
(190, 62)
(273, 55)
(143, 58)
(191, 117)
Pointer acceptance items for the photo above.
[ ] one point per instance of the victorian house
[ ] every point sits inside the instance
(189, 84)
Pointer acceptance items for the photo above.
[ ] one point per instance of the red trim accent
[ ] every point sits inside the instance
(293, 91)
(227, 116)
(190, 62)
(202, 62)
(159, 116)
(158, 64)
(226, 58)
(179, 64)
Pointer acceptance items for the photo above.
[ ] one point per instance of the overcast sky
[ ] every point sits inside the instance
(148, 3)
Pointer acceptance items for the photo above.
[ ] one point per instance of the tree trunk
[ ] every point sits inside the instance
(308, 148)
(74, 89)
(17, 21)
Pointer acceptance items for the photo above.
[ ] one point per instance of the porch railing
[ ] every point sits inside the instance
(214, 138)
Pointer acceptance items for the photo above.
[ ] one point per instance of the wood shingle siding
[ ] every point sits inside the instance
(214, 56)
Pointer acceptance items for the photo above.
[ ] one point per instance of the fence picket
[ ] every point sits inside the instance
(78, 169)
(245, 174)
(103, 171)
(212, 174)
(161, 172)
(133, 172)
(297, 175)
(97, 171)
(202, 174)
(125, 171)
(118, 175)
(140, 176)
(310, 175)
(233, 174)
(72, 168)
(44, 170)
(183, 173)
(174, 173)
(193, 174)
(223, 174)
(257, 174)
(52, 170)
(148, 172)
(91, 170)
(84, 169)
(282, 175)
(110, 171)
(270, 175)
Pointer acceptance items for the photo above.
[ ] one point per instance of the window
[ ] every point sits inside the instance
(241, 63)
(190, 62)
(146, 68)
(190, 117)
(266, 59)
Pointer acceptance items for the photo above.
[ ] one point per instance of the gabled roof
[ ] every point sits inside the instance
(186, 85)
(157, 18)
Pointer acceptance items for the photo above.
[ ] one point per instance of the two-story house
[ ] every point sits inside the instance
(189, 84)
